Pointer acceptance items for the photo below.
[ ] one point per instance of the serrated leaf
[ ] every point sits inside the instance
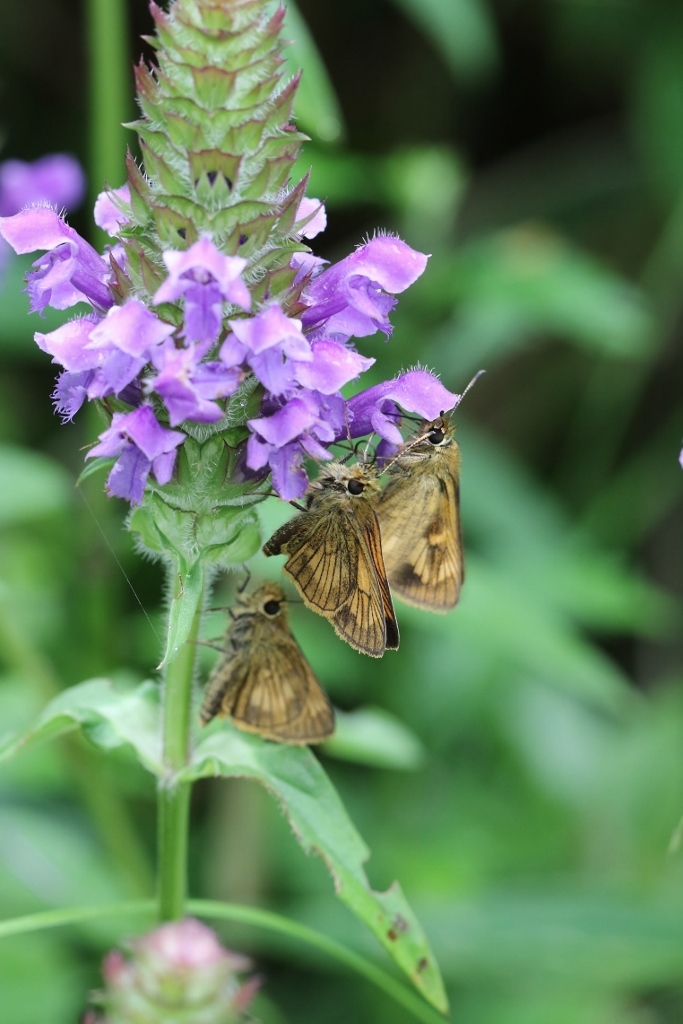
(109, 717)
(320, 823)
(184, 606)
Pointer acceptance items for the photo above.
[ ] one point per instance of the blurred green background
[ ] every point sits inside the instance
(531, 801)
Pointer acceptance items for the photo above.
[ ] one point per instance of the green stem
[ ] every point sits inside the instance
(111, 92)
(174, 797)
(246, 915)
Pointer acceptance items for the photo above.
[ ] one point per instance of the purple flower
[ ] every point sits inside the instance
(189, 386)
(206, 278)
(109, 209)
(306, 263)
(115, 348)
(142, 445)
(354, 297)
(57, 179)
(282, 359)
(71, 390)
(332, 366)
(375, 409)
(315, 211)
(272, 344)
(70, 272)
(281, 439)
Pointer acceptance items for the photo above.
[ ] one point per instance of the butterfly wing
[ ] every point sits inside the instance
(335, 560)
(278, 696)
(420, 522)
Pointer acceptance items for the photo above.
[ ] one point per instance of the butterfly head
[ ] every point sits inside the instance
(268, 600)
(351, 481)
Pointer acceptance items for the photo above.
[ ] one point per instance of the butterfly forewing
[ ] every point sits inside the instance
(419, 516)
(265, 683)
(335, 559)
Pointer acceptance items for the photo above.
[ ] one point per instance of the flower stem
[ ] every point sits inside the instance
(111, 92)
(174, 797)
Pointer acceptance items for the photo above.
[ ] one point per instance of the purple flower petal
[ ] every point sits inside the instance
(71, 390)
(132, 328)
(68, 344)
(317, 223)
(57, 179)
(202, 264)
(232, 351)
(285, 425)
(274, 371)
(289, 477)
(40, 227)
(257, 452)
(143, 429)
(70, 272)
(117, 372)
(272, 328)
(306, 263)
(108, 213)
(141, 444)
(333, 366)
(188, 386)
(206, 278)
(162, 466)
(128, 476)
(417, 391)
(360, 283)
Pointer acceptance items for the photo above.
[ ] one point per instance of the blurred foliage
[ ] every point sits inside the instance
(527, 779)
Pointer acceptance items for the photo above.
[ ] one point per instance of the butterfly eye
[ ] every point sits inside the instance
(436, 436)
(355, 487)
(271, 607)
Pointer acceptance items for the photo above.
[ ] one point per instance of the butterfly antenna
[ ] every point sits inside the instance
(471, 384)
(245, 584)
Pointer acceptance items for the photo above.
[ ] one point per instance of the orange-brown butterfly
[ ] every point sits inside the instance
(335, 559)
(264, 682)
(419, 516)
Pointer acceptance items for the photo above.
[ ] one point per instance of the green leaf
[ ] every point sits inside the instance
(184, 606)
(321, 823)
(525, 282)
(462, 31)
(32, 485)
(108, 717)
(94, 466)
(375, 737)
(316, 103)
